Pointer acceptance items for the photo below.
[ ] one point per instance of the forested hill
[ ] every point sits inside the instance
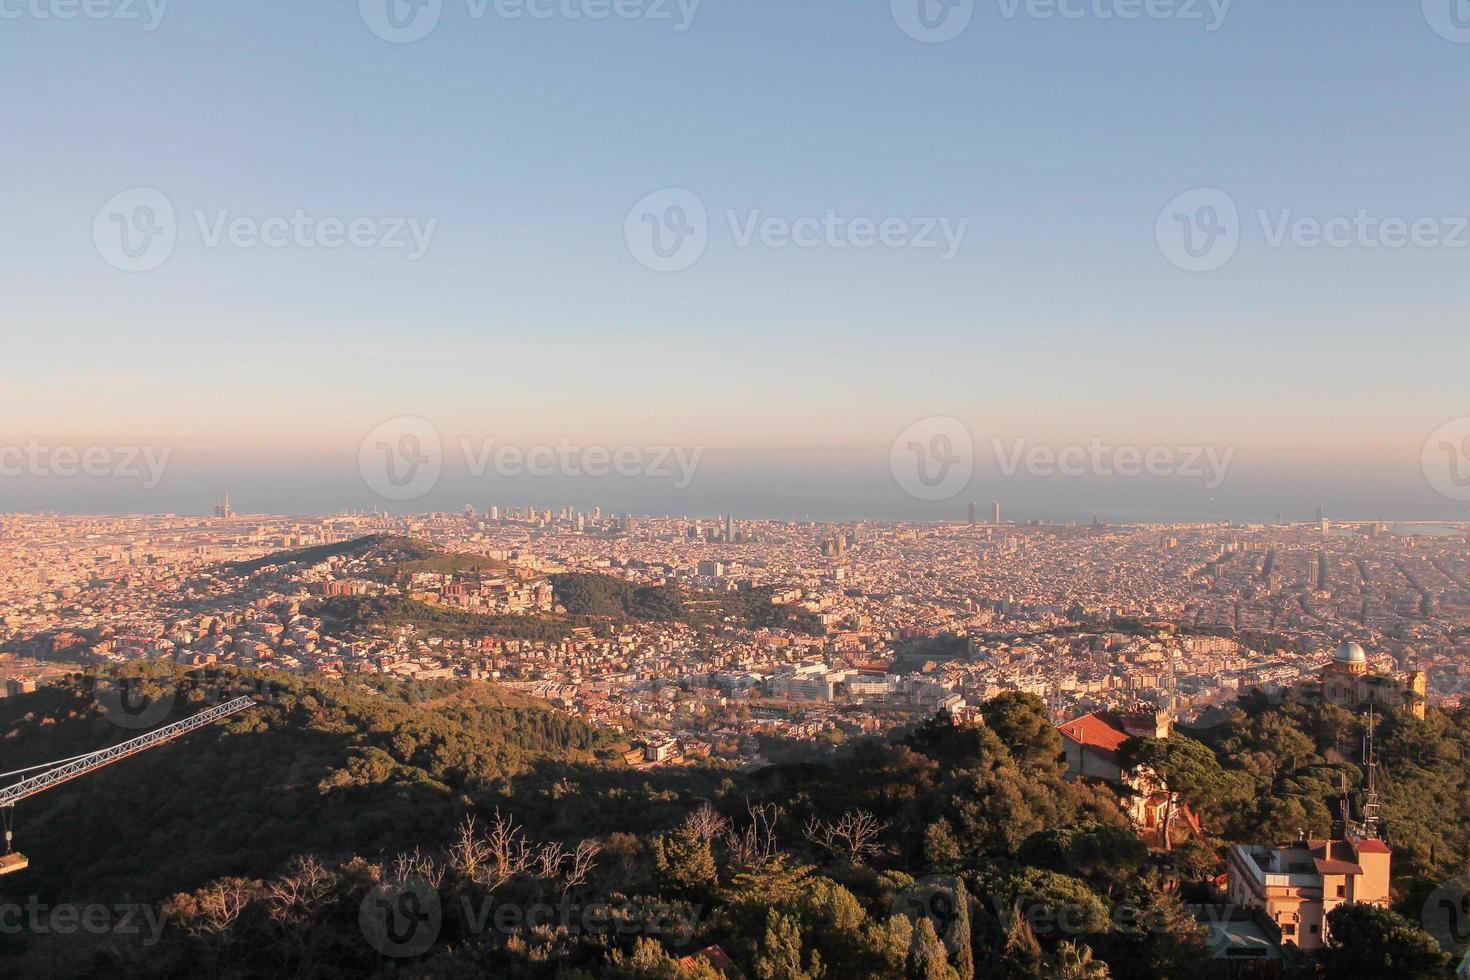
(317, 766)
(368, 829)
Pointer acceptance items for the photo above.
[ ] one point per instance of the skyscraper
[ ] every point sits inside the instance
(730, 527)
(972, 513)
(995, 512)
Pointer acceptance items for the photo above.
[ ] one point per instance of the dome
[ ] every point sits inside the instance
(1350, 653)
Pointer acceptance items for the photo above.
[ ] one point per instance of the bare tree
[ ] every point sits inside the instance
(548, 859)
(299, 892)
(707, 823)
(755, 844)
(854, 837)
(584, 862)
(509, 851)
(469, 852)
(222, 901)
(418, 865)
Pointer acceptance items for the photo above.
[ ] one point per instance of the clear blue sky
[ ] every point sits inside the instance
(528, 320)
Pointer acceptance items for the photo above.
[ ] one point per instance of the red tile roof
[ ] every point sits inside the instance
(715, 957)
(1369, 845)
(1330, 867)
(1096, 731)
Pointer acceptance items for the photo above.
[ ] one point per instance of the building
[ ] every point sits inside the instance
(1349, 682)
(1297, 884)
(1091, 744)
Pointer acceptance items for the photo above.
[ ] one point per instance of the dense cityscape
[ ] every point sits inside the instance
(897, 619)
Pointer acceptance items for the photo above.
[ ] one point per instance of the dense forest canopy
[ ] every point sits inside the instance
(295, 838)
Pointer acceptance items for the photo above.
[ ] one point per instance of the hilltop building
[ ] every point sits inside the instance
(1349, 682)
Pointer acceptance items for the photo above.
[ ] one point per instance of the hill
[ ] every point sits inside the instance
(609, 597)
(385, 829)
(316, 767)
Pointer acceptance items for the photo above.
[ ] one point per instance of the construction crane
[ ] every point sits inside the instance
(65, 770)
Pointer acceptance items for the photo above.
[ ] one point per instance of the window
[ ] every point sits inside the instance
(1341, 890)
(1289, 929)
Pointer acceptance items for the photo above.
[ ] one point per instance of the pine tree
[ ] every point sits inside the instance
(927, 957)
(964, 958)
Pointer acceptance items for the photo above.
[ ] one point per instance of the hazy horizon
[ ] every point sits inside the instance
(784, 234)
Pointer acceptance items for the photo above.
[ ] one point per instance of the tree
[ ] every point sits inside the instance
(1103, 854)
(780, 956)
(964, 955)
(1367, 942)
(685, 862)
(1021, 722)
(854, 837)
(927, 958)
(1073, 961)
(1186, 769)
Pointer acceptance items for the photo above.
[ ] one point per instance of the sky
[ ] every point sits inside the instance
(859, 258)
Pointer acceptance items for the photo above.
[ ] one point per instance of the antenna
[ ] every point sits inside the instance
(1370, 802)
